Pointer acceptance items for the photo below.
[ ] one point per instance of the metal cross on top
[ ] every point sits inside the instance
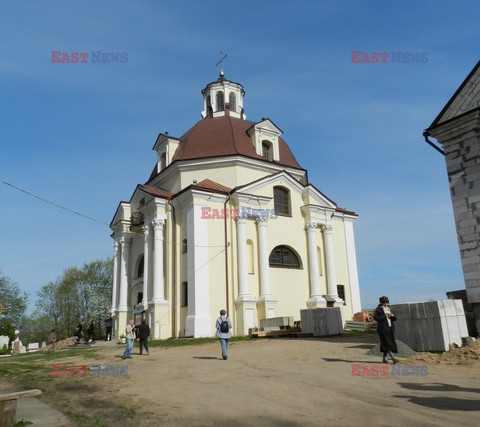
(222, 58)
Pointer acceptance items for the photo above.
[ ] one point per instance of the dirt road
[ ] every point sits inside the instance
(282, 382)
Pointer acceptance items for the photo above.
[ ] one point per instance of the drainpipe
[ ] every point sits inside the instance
(174, 271)
(426, 134)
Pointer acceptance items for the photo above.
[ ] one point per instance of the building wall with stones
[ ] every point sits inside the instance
(457, 129)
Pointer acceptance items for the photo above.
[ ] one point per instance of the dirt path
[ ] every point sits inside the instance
(286, 382)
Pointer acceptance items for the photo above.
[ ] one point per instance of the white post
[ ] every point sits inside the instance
(242, 257)
(116, 263)
(146, 265)
(330, 260)
(158, 282)
(263, 253)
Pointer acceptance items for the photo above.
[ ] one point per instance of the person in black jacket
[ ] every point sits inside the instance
(143, 334)
(386, 329)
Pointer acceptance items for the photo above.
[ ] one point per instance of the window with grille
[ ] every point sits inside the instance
(232, 99)
(220, 101)
(267, 150)
(281, 201)
(283, 257)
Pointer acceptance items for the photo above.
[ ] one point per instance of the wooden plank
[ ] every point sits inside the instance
(8, 413)
(19, 394)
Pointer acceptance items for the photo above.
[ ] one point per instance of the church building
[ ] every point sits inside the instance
(228, 219)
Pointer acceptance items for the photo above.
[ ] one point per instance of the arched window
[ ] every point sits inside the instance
(232, 99)
(163, 161)
(250, 257)
(220, 101)
(284, 257)
(267, 151)
(140, 267)
(281, 201)
(209, 106)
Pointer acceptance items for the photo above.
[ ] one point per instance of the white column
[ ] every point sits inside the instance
(146, 265)
(330, 260)
(263, 254)
(158, 282)
(115, 287)
(125, 242)
(242, 257)
(352, 267)
(314, 271)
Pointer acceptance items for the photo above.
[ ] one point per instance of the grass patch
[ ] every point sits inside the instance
(84, 420)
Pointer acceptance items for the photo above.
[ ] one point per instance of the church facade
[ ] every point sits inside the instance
(228, 219)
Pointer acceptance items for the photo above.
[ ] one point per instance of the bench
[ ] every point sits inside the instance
(8, 405)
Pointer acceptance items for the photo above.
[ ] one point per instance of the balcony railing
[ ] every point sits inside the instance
(137, 219)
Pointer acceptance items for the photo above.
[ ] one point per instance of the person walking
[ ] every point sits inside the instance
(108, 328)
(78, 332)
(143, 334)
(223, 326)
(129, 337)
(386, 329)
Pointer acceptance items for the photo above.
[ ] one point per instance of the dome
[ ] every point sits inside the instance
(226, 136)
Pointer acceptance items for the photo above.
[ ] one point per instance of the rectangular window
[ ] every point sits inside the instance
(184, 295)
(341, 293)
(184, 246)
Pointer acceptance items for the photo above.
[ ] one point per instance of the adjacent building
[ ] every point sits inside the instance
(457, 129)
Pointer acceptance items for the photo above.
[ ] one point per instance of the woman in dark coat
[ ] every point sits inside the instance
(386, 329)
(143, 334)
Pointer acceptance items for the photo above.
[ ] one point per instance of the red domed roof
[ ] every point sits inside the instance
(225, 136)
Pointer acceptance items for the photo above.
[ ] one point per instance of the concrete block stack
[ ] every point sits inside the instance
(322, 321)
(430, 326)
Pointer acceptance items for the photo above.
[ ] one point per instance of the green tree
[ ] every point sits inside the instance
(79, 294)
(15, 300)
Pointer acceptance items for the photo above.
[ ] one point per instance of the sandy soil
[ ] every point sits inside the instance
(281, 382)
(287, 382)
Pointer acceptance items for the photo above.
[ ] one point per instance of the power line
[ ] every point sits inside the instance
(52, 203)
(94, 219)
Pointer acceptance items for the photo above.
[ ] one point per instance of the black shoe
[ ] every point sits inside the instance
(123, 357)
(129, 357)
(225, 357)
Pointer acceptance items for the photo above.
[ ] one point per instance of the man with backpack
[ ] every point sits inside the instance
(223, 327)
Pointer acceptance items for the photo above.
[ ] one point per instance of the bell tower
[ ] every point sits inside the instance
(223, 98)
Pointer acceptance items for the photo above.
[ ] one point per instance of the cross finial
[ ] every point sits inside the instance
(220, 62)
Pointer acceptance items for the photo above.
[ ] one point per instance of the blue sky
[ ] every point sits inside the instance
(81, 134)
